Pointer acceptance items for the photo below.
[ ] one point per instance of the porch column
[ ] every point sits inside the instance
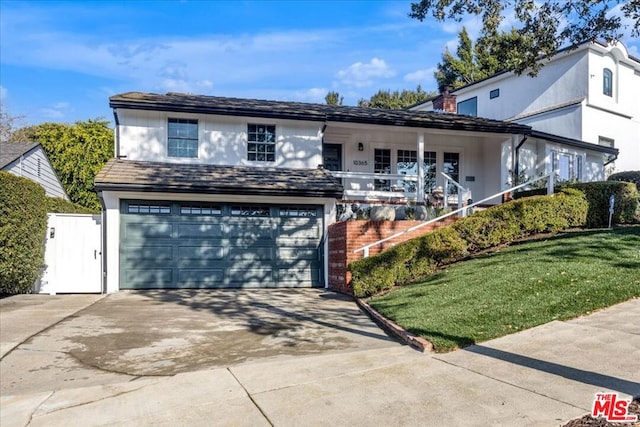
(420, 182)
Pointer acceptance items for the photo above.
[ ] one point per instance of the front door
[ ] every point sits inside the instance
(332, 156)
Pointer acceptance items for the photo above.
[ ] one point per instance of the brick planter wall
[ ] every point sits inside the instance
(347, 236)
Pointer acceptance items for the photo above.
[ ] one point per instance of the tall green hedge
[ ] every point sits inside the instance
(628, 176)
(58, 205)
(417, 258)
(23, 223)
(598, 194)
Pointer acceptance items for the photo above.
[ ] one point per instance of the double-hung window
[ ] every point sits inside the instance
(182, 138)
(568, 167)
(261, 143)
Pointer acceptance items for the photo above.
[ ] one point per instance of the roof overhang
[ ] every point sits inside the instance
(134, 176)
(573, 142)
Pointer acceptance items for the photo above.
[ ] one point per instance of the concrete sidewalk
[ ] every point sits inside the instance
(543, 377)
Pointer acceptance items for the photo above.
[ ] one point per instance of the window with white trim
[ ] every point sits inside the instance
(607, 82)
(468, 107)
(182, 137)
(261, 142)
(382, 164)
(567, 166)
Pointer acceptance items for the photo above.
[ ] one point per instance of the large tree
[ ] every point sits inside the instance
(77, 152)
(544, 26)
(333, 98)
(489, 55)
(396, 100)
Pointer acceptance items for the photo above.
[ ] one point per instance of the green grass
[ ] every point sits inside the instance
(519, 287)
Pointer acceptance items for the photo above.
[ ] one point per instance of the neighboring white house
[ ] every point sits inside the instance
(30, 161)
(221, 192)
(591, 94)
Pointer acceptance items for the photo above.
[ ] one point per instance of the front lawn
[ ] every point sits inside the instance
(519, 287)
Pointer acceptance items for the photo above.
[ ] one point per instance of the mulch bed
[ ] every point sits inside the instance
(589, 421)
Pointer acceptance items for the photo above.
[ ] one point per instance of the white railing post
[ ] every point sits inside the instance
(446, 192)
(366, 252)
(550, 183)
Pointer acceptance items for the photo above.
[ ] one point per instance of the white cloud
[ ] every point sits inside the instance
(315, 94)
(361, 74)
(57, 111)
(3, 93)
(420, 76)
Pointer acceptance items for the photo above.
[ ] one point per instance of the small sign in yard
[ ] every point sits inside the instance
(612, 202)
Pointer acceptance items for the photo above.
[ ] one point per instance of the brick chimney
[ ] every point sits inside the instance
(446, 101)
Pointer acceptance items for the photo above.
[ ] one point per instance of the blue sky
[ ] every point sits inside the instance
(60, 61)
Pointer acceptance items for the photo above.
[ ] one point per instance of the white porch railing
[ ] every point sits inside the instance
(366, 248)
(394, 191)
(463, 193)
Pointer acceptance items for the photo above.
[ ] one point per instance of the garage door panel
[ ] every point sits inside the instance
(198, 278)
(249, 276)
(153, 253)
(199, 230)
(297, 253)
(298, 275)
(251, 253)
(148, 230)
(306, 232)
(139, 278)
(249, 232)
(200, 252)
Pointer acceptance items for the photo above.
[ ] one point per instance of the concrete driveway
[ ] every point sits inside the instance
(161, 333)
(293, 358)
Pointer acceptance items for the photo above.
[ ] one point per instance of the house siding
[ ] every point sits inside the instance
(222, 140)
(27, 166)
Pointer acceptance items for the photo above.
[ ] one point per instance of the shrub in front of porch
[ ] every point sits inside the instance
(598, 193)
(627, 176)
(420, 257)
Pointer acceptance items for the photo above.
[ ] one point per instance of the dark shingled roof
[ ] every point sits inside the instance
(10, 151)
(180, 102)
(212, 179)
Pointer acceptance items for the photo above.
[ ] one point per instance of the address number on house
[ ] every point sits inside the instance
(360, 162)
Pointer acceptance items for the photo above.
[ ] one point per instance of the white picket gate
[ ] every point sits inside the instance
(73, 257)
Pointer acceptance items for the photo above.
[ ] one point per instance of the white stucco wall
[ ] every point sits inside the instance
(559, 81)
(222, 139)
(566, 99)
(112, 208)
(36, 167)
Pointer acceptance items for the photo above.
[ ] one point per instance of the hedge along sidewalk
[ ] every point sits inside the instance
(519, 287)
(418, 258)
(23, 222)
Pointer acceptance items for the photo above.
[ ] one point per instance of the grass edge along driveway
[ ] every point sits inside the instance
(519, 287)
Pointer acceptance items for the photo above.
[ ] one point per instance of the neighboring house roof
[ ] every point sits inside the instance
(130, 175)
(574, 142)
(179, 102)
(10, 151)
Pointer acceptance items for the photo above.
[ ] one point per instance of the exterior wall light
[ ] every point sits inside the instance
(360, 146)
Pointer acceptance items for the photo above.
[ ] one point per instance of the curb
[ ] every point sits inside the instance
(418, 343)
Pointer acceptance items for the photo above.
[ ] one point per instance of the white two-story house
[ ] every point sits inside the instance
(221, 192)
(590, 94)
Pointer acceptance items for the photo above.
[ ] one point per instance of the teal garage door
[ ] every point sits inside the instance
(219, 245)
